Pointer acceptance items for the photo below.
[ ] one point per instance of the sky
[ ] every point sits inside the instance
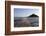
(21, 12)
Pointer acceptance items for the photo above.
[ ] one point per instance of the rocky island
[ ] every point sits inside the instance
(33, 15)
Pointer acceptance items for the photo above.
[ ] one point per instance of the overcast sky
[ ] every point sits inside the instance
(21, 12)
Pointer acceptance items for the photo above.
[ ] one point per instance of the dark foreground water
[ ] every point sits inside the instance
(26, 22)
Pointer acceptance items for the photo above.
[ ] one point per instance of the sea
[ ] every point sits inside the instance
(26, 21)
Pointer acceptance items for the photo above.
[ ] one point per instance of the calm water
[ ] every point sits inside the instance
(26, 22)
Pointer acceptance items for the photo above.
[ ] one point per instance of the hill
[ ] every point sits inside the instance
(33, 15)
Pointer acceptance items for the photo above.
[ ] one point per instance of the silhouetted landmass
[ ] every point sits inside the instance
(33, 15)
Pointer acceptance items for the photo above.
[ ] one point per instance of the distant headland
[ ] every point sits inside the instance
(33, 15)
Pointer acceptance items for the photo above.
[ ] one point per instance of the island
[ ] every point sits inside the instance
(33, 15)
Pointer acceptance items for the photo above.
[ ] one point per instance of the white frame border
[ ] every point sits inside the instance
(25, 28)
